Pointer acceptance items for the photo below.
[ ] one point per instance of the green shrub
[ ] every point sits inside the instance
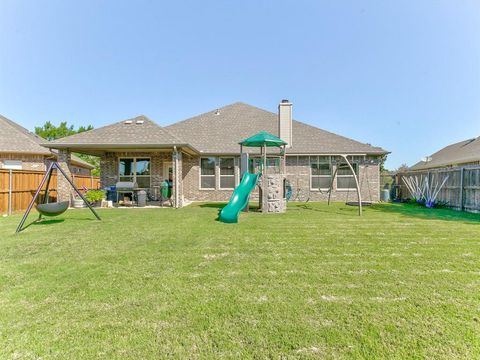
(94, 195)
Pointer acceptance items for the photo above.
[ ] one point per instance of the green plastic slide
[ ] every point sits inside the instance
(238, 201)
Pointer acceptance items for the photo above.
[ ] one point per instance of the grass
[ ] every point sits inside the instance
(316, 282)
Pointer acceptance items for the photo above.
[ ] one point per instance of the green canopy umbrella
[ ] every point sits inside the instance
(262, 139)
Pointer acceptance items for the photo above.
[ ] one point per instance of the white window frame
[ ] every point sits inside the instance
(269, 158)
(200, 172)
(319, 176)
(12, 164)
(354, 165)
(134, 158)
(220, 173)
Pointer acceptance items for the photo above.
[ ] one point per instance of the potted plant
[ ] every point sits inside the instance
(78, 202)
(94, 197)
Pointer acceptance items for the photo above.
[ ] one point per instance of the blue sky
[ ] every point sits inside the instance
(404, 75)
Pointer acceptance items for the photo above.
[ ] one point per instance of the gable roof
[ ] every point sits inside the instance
(16, 139)
(136, 132)
(219, 132)
(466, 151)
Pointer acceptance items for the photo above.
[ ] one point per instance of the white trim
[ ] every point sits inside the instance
(166, 165)
(351, 176)
(200, 173)
(10, 164)
(220, 173)
(319, 176)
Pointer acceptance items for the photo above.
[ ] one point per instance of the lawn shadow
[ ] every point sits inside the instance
(47, 222)
(347, 210)
(213, 205)
(42, 222)
(251, 207)
(420, 212)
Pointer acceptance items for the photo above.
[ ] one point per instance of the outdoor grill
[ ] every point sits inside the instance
(126, 187)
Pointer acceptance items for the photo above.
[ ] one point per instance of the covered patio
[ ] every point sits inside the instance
(135, 155)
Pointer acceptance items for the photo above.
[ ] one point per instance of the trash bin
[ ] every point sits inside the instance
(385, 195)
(112, 195)
(142, 198)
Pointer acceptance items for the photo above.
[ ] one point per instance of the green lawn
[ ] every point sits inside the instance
(316, 282)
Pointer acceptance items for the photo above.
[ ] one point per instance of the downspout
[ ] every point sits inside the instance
(175, 152)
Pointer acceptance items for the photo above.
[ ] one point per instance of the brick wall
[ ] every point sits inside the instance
(29, 162)
(298, 173)
(76, 170)
(39, 163)
(191, 181)
(64, 188)
(109, 166)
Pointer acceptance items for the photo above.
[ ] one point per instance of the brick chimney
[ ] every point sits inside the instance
(285, 121)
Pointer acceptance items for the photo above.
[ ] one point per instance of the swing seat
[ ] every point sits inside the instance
(53, 209)
(355, 203)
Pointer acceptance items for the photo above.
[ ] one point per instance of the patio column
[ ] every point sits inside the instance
(177, 179)
(63, 187)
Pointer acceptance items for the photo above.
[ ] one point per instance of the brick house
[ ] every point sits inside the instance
(23, 150)
(202, 155)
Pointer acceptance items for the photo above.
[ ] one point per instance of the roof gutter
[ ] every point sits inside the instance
(117, 146)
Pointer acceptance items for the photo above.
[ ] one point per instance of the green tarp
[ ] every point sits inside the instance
(263, 138)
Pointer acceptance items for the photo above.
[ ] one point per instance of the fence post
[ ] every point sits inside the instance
(462, 172)
(10, 192)
(91, 181)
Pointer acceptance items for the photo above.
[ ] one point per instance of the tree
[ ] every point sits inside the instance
(51, 132)
(382, 163)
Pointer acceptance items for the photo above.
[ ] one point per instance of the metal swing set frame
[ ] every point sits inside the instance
(46, 178)
(357, 185)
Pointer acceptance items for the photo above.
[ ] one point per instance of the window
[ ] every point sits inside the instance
(136, 170)
(227, 173)
(273, 165)
(254, 165)
(12, 164)
(320, 172)
(345, 179)
(207, 173)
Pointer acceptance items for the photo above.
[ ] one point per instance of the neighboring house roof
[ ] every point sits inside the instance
(16, 139)
(219, 132)
(132, 133)
(75, 160)
(463, 152)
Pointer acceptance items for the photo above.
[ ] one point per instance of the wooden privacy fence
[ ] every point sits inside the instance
(18, 186)
(461, 191)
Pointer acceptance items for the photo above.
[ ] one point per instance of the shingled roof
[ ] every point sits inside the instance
(219, 131)
(215, 132)
(463, 152)
(137, 132)
(16, 139)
